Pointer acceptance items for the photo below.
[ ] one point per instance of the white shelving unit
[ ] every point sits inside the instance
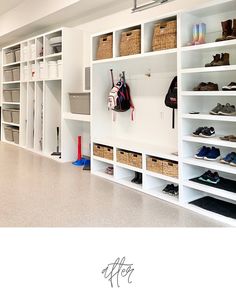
(44, 99)
(149, 75)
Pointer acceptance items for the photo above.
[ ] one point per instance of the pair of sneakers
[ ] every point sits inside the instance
(230, 159)
(171, 190)
(205, 132)
(210, 177)
(209, 154)
(225, 110)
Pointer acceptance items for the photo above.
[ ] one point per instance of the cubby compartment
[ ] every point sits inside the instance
(38, 118)
(103, 46)
(30, 115)
(12, 55)
(32, 70)
(103, 169)
(32, 49)
(53, 43)
(39, 47)
(25, 72)
(23, 114)
(40, 69)
(52, 116)
(125, 176)
(25, 53)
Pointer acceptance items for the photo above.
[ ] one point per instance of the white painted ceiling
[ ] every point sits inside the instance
(6, 5)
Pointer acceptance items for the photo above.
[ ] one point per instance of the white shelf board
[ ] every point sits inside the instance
(210, 117)
(11, 82)
(104, 175)
(163, 177)
(212, 165)
(128, 167)
(210, 46)
(103, 160)
(209, 69)
(210, 190)
(157, 192)
(216, 141)
(11, 64)
(145, 148)
(77, 117)
(127, 182)
(11, 124)
(50, 79)
(53, 55)
(40, 58)
(10, 103)
(208, 93)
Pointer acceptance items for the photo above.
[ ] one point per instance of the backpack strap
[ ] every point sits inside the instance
(173, 118)
(112, 78)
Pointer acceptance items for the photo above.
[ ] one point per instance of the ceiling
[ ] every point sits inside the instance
(6, 5)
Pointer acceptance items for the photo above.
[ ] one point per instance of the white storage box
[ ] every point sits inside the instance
(15, 95)
(16, 74)
(7, 116)
(15, 116)
(10, 57)
(52, 69)
(8, 133)
(80, 103)
(17, 55)
(41, 70)
(8, 75)
(59, 68)
(7, 95)
(16, 134)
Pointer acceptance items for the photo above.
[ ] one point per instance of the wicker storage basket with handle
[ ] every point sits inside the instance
(130, 42)
(170, 168)
(105, 47)
(165, 36)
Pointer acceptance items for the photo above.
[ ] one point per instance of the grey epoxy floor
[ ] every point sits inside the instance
(38, 192)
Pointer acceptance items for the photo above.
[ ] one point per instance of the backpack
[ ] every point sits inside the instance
(119, 99)
(171, 99)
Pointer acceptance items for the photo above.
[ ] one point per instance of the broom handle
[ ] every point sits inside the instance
(79, 148)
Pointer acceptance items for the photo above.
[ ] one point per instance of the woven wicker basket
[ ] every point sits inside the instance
(98, 150)
(170, 168)
(135, 160)
(165, 36)
(130, 42)
(105, 47)
(122, 157)
(108, 152)
(155, 165)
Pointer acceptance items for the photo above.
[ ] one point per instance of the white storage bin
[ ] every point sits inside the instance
(52, 69)
(16, 74)
(17, 55)
(8, 75)
(7, 95)
(15, 95)
(41, 70)
(15, 116)
(26, 73)
(10, 57)
(59, 68)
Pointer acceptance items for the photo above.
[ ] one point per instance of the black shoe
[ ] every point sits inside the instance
(210, 177)
(135, 179)
(140, 179)
(168, 188)
(199, 131)
(208, 132)
(174, 192)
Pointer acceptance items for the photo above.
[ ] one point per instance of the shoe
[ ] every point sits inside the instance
(217, 109)
(174, 192)
(228, 159)
(224, 60)
(198, 88)
(216, 59)
(226, 30)
(233, 35)
(213, 155)
(230, 87)
(210, 87)
(233, 162)
(168, 188)
(110, 170)
(140, 179)
(227, 137)
(228, 110)
(135, 179)
(198, 131)
(202, 152)
(210, 177)
(205, 176)
(208, 132)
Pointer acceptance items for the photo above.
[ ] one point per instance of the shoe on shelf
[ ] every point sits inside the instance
(213, 155)
(200, 85)
(198, 131)
(203, 151)
(174, 192)
(110, 170)
(230, 87)
(233, 162)
(233, 35)
(228, 110)
(224, 60)
(226, 30)
(208, 132)
(168, 188)
(228, 159)
(210, 177)
(227, 137)
(216, 109)
(216, 59)
(135, 179)
(204, 177)
(210, 87)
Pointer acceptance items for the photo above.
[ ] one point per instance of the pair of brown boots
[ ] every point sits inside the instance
(219, 60)
(228, 30)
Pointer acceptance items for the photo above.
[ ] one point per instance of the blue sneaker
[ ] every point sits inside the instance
(233, 162)
(229, 158)
(202, 152)
(213, 155)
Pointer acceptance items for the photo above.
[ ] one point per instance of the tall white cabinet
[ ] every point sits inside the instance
(46, 78)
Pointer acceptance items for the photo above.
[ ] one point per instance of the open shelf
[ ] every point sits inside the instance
(11, 124)
(163, 177)
(209, 69)
(77, 117)
(216, 141)
(210, 117)
(209, 46)
(208, 93)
